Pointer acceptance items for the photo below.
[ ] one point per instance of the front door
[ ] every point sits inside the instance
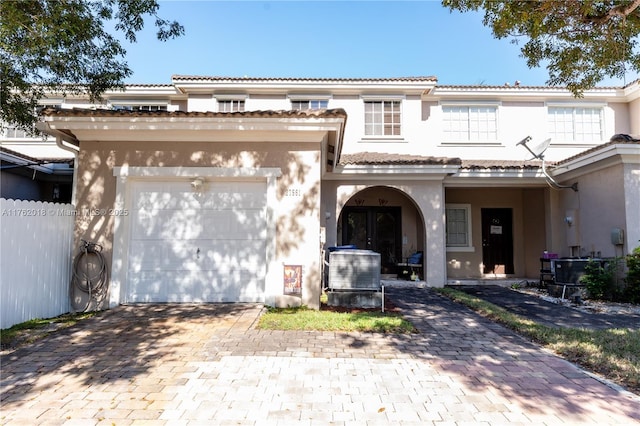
(374, 228)
(497, 241)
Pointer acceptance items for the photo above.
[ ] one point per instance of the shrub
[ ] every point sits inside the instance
(632, 289)
(603, 281)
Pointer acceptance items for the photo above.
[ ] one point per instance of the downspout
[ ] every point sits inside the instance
(72, 146)
(61, 145)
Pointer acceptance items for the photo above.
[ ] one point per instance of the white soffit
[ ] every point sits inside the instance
(279, 129)
(599, 159)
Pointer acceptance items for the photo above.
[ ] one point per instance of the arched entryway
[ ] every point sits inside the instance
(385, 220)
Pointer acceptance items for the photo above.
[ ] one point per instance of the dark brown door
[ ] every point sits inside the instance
(497, 241)
(374, 228)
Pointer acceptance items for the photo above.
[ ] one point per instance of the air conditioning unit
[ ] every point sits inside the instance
(354, 270)
(569, 271)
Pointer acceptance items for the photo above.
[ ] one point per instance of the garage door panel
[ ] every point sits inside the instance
(188, 247)
(215, 195)
(191, 224)
(226, 224)
(215, 285)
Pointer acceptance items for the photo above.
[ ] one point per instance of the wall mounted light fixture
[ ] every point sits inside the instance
(197, 184)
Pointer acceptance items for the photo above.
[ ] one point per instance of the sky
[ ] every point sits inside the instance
(323, 39)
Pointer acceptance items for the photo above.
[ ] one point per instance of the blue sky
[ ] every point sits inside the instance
(329, 39)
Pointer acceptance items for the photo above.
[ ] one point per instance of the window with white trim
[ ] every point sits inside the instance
(14, 132)
(458, 225)
(230, 105)
(382, 118)
(309, 104)
(140, 107)
(463, 123)
(574, 124)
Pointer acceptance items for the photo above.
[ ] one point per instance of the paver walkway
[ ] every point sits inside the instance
(207, 364)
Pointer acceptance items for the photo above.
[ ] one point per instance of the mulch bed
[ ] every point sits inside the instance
(389, 307)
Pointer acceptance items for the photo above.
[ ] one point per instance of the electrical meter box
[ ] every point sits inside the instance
(617, 236)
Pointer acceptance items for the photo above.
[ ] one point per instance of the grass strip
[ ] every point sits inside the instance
(32, 330)
(302, 318)
(612, 353)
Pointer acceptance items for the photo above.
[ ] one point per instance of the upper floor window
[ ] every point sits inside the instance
(140, 107)
(309, 104)
(470, 123)
(230, 105)
(14, 132)
(382, 118)
(575, 124)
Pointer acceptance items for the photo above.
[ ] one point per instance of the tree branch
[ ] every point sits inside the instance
(621, 10)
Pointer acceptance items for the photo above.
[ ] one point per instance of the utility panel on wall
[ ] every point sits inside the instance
(617, 236)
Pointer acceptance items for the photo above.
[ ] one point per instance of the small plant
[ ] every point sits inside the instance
(598, 280)
(632, 290)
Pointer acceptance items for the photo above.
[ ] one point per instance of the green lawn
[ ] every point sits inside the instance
(32, 330)
(314, 320)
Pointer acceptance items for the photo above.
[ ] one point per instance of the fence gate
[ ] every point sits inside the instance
(35, 260)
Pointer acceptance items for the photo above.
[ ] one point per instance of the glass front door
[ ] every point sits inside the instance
(375, 228)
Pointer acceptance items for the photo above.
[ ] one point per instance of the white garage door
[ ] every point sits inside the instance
(197, 247)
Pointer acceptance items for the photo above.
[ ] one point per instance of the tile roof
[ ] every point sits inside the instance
(35, 161)
(500, 164)
(83, 112)
(378, 158)
(521, 86)
(615, 140)
(514, 87)
(305, 79)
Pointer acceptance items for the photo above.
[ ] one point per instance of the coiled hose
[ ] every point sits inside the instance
(89, 275)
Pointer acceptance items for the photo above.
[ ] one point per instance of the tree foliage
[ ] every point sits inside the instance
(581, 41)
(62, 46)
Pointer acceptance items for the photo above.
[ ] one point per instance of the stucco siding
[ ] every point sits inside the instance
(422, 206)
(632, 206)
(595, 210)
(528, 229)
(298, 192)
(634, 117)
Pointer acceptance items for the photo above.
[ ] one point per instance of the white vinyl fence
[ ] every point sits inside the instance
(35, 260)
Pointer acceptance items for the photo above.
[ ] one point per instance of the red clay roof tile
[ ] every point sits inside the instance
(83, 112)
(378, 158)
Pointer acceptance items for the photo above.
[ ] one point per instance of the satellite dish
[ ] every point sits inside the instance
(538, 150)
(538, 153)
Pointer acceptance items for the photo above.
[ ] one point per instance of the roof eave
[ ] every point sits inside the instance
(393, 171)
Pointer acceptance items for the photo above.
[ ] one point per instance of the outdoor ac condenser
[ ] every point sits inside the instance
(354, 270)
(569, 271)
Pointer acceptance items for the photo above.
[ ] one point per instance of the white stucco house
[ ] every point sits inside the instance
(217, 189)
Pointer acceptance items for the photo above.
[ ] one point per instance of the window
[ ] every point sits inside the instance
(140, 107)
(309, 104)
(230, 105)
(470, 123)
(382, 118)
(458, 225)
(575, 124)
(14, 132)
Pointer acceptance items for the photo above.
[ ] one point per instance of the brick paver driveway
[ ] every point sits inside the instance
(206, 364)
